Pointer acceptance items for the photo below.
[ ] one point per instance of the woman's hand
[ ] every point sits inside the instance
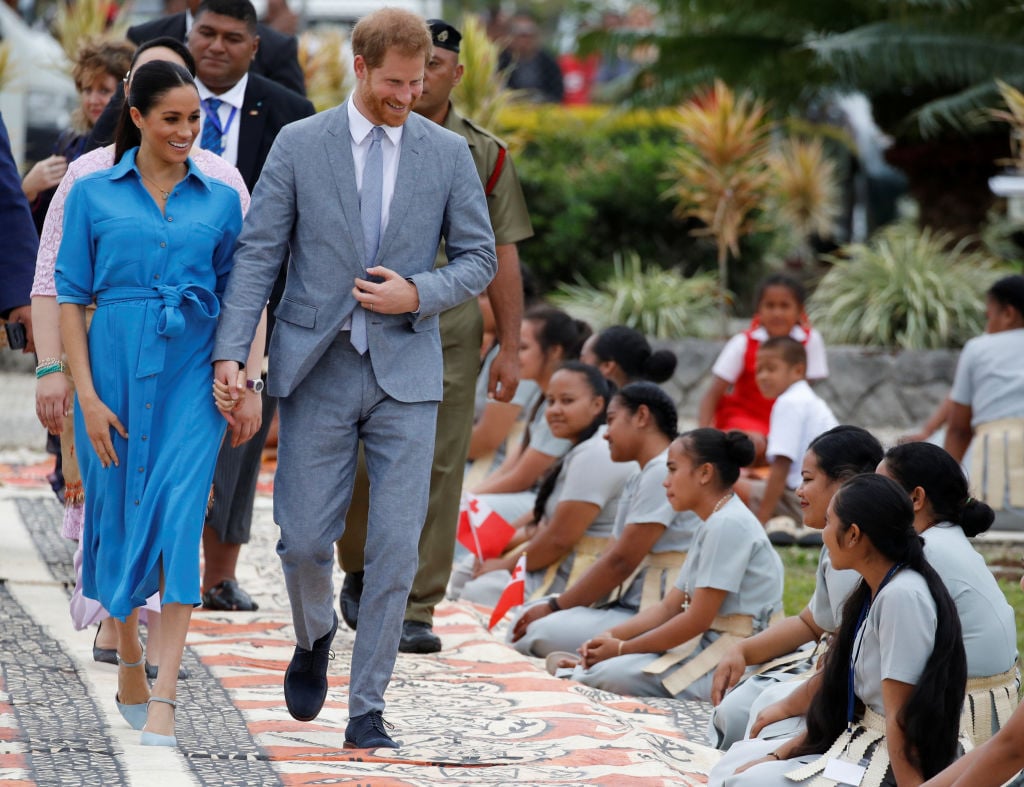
(536, 612)
(53, 400)
(493, 564)
(99, 420)
(45, 175)
(248, 417)
(728, 673)
(600, 648)
(748, 765)
(229, 397)
(777, 711)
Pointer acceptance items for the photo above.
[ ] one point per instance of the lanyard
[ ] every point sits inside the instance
(213, 117)
(853, 657)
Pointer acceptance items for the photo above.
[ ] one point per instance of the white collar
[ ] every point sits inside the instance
(359, 126)
(234, 96)
(797, 333)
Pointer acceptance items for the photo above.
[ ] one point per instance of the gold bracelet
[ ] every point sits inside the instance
(621, 643)
(774, 754)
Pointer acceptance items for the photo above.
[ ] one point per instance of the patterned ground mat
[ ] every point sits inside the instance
(477, 713)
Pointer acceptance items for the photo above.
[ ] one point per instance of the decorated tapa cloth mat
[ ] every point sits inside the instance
(477, 713)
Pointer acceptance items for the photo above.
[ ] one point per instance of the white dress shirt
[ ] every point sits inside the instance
(391, 146)
(232, 100)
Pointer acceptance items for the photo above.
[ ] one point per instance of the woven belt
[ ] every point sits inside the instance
(997, 461)
(586, 552)
(732, 628)
(854, 743)
(998, 691)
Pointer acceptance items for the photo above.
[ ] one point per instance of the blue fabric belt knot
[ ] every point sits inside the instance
(164, 317)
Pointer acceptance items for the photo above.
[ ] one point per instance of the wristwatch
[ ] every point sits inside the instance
(256, 386)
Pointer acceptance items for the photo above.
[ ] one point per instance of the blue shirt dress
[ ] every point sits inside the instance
(157, 280)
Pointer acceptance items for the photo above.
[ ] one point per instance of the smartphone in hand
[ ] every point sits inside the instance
(16, 336)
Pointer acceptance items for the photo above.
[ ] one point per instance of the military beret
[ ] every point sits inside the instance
(444, 35)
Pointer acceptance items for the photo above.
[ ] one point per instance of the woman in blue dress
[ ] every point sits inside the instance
(150, 242)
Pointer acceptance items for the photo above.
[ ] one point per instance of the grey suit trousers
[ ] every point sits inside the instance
(338, 404)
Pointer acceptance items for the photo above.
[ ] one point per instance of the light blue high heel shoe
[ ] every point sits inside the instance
(155, 738)
(135, 715)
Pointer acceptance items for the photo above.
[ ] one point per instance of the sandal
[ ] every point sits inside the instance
(227, 596)
(135, 715)
(155, 738)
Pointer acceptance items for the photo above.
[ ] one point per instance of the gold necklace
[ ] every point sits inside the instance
(165, 194)
(721, 502)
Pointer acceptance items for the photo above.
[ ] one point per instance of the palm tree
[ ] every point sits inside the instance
(927, 66)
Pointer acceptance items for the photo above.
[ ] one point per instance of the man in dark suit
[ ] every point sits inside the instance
(276, 58)
(18, 255)
(242, 113)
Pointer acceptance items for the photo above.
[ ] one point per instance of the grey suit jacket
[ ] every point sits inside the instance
(306, 203)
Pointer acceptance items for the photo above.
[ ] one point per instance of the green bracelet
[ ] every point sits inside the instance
(42, 371)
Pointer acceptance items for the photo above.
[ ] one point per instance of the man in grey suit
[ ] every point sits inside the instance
(356, 353)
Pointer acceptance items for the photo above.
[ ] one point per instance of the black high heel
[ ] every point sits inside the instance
(103, 655)
(152, 670)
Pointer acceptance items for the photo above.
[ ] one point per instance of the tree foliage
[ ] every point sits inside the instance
(927, 65)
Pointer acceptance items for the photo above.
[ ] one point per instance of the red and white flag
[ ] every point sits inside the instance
(482, 531)
(514, 593)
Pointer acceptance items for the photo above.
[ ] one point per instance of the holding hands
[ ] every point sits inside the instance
(243, 410)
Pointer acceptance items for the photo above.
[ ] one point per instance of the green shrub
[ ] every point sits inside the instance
(659, 303)
(908, 288)
(593, 181)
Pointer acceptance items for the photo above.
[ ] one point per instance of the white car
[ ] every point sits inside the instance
(37, 94)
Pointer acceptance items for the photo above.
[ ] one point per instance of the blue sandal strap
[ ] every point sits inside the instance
(122, 663)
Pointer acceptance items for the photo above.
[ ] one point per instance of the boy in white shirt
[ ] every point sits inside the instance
(798, 416)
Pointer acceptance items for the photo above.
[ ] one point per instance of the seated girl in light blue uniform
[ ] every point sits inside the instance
(549, 337)
(946, 516)
(729, 586)
(832, 458)
(575, 508)
(886, 707)
(648, 544)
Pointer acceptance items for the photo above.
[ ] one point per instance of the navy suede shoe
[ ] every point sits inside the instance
(369, 731)
(305, 680)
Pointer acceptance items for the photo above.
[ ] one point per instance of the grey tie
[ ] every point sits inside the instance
(371, 199)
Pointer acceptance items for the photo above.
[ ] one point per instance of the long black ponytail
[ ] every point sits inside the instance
(931, 717)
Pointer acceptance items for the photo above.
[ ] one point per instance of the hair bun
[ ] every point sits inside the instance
(660, 365)
(740, 448)
(976, 517)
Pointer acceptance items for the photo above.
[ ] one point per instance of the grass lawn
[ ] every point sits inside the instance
(1004, 559)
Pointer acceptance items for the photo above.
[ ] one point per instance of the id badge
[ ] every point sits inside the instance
(844, 771)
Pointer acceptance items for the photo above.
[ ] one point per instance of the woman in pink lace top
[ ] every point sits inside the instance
(55, 392)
